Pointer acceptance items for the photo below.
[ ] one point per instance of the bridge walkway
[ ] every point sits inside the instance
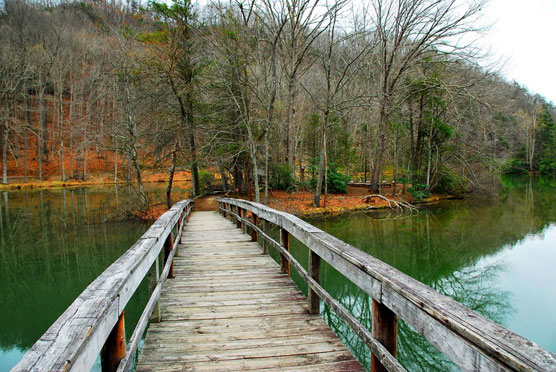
(229, 308)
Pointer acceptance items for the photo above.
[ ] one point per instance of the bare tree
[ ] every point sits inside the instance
(405, 31)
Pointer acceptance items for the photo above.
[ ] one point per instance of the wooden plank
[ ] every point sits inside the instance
(166, 354)
(278, 362)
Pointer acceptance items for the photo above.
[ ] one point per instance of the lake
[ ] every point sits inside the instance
(53, 244)
(495, 255)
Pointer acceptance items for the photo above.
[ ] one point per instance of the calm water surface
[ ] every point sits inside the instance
(53, 243)
(497, 256)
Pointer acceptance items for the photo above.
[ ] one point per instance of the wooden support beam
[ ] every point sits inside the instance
(154, 275)
(285, 242)
(314, 271)
(114, 348)
(238, 221)
(179, 227)
(168, 247)
(253, 231)
(385, 331)
(244, 216)
(265, 243)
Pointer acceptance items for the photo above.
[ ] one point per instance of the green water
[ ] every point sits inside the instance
(53, 243)
(495, 255)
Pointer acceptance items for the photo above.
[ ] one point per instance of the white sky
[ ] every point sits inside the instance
(524, 33)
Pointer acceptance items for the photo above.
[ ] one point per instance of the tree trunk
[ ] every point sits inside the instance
(292, 94)
(61, 130)
(71, 124)
(419, 143)
(379, 153)
(223, 177)
(137, 169)
(316, 200)
(171, 180)
(85, 153)
(62, 163)
(39, 130)
(267, 159)
(429, 157)
(45, 135)
(5, 143)
(253, 152)
(533, 138)
(115, 166)
(395, 165)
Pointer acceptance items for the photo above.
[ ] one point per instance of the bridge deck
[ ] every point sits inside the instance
(230, 308)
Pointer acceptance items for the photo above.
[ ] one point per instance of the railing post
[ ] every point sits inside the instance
(254, 236)
(244, 225)
(229, 206)
(168, 246)
(238, 222)
(265, 243)
(179, 234)
(154, 275)
(314, 271)
(284, 242)
(385, 330)
(181, 218)
(114, 348)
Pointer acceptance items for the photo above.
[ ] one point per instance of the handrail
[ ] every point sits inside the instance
(94, 321)
(467, 338)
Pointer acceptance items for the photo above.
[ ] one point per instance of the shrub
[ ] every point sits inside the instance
(515, 166)
(450, 182)
(547, 166)
(206, 180)
(419, 191)
(281, 177)
(337, 182)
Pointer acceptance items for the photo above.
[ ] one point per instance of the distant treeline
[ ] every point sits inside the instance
(272, 94)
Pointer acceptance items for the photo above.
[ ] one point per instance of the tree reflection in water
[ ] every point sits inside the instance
(53, 243)
(469, 286)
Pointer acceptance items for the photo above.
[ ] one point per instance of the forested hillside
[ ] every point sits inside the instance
(267, 93)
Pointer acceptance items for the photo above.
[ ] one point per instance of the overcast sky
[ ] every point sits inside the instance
(524, 32)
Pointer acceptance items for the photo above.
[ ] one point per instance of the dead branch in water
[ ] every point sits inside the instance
(393, 204)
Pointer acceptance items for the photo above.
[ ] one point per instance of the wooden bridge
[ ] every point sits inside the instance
(227, 306)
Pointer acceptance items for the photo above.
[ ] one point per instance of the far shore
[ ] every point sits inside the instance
(93, 179)
(299, 203)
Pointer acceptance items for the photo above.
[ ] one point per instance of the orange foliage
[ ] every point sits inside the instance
(153, 212)
(23, 158)
(301, 203)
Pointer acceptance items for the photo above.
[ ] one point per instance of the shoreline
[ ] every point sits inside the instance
(96, 179)
(300, 205)
(371, 208)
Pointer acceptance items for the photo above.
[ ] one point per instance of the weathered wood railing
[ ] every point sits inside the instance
(94, 322)
(471, 341)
